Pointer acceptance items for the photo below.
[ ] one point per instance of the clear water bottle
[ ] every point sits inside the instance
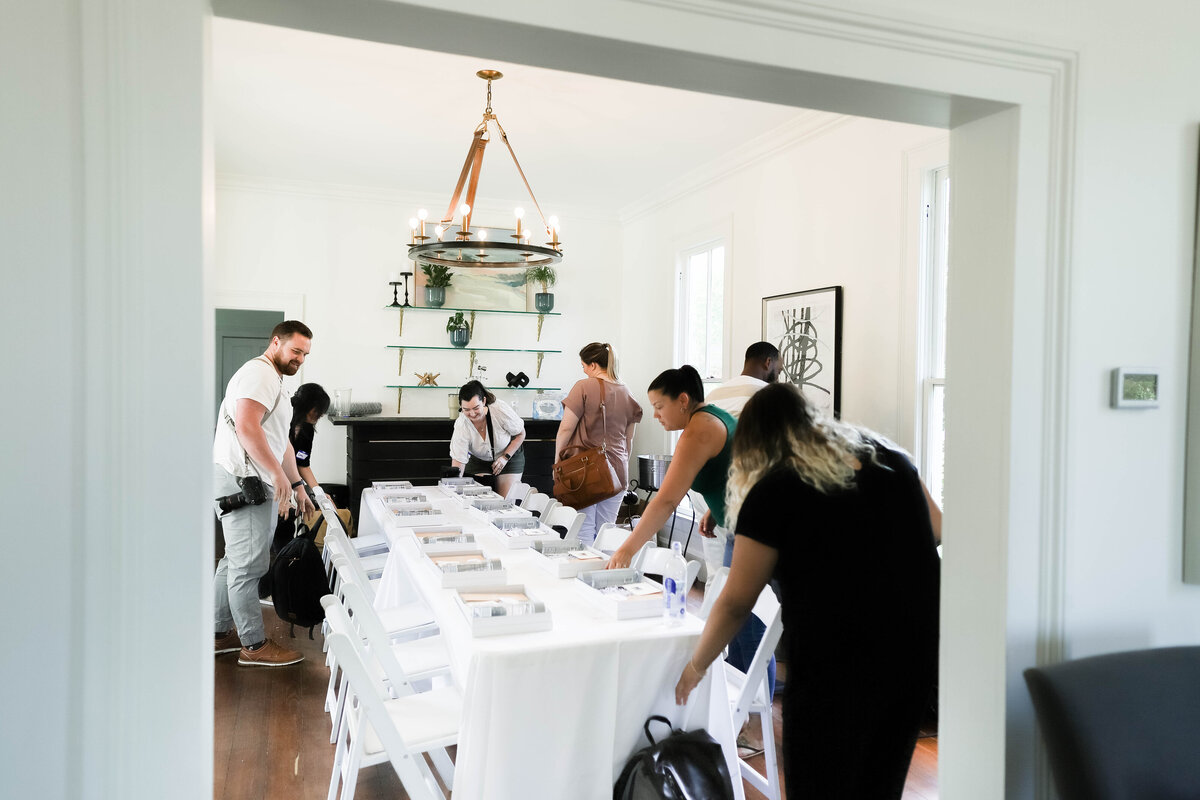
(674, 587)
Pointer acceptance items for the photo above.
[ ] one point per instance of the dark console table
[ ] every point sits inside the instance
(417, 449)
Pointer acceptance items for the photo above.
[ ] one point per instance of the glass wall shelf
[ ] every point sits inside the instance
(469, 348)
(491, 388)
(477, 310)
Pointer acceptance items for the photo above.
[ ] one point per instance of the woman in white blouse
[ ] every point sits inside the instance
(487, 437)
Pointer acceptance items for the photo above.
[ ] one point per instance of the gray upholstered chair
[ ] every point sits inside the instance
(1122, 726)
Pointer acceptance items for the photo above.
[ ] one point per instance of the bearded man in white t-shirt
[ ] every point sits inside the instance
(252, 440)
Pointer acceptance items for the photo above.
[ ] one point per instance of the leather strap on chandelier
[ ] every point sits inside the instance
(474, 163)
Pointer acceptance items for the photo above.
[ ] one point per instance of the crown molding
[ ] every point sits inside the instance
(805, 127)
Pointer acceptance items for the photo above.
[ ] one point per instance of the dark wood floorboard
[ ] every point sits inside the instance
(272, 732)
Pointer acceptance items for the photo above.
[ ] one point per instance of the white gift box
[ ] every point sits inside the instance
(566, 560)
(414, 515)
(524, 531)
(622, 593)
(470, 568)
(436, 540)
(389, 486)
(494, 610)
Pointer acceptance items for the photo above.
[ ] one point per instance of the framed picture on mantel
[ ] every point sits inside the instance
(807, 329)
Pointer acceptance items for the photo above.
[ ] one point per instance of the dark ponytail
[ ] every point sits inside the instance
(674, 382)
(475, 389)
(308, 397)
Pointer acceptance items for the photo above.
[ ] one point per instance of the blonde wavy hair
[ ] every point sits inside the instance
(778, 427)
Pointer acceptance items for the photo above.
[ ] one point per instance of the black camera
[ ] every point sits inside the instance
(253, 492)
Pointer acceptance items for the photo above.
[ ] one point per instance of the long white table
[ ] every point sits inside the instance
(557, 713)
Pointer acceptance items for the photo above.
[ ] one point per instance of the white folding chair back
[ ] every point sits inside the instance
(655, 559)
(539, 504)
(567, 518)
(610, 537)
(402, 662)
(749, 692)
(378, 728)
(407, 621)
(363, 545)
(712, 589)
(518, 492)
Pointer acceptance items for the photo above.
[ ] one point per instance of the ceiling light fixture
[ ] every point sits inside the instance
(482, 251)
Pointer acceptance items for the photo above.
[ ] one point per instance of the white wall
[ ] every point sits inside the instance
(821, 209)
(335, 247)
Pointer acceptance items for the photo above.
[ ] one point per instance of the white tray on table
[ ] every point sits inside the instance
(440, 539)
(495, 610)
(622, 593)
(524, 531)
(566, 560)
(414, 515)
(390, 486)
(470, 568)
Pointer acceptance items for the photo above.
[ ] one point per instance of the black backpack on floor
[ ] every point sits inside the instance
(681, 766)
(298, 582)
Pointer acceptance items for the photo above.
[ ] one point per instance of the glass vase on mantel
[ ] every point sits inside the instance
(435, 296)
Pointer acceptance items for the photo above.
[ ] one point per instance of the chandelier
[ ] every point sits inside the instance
(460, 245)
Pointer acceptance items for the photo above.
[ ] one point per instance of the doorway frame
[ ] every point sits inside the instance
(1014, 558)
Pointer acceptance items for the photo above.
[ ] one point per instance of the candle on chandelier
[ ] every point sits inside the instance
(422, 215)
(553, 221)
(465, 211)
(518, 213)
(412, 223)
(483, 235)
(439, 230)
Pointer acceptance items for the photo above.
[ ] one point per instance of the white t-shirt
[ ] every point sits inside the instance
(732, 395)
(257, 380)
(466, 441)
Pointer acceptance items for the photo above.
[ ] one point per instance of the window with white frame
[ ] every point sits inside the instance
(700, 310)
(932, 332)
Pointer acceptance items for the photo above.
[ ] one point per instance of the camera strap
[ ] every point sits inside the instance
(279, 396)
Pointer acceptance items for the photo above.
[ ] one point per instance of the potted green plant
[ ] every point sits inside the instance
(437, 278)
(543, 301)
(460, 332)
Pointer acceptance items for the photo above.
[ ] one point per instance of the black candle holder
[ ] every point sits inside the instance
(395, 297)
(406, 275)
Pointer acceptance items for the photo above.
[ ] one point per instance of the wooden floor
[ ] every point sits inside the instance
(272, 733)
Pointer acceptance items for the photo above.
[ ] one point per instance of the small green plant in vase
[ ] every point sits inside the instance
(460, 332)
(543, 301)
(437, 278)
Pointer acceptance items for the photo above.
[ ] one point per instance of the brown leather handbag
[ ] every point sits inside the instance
(583, 476)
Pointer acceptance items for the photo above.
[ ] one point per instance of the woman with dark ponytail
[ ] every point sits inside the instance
(309, 404)
(701, 459)
(601, 411)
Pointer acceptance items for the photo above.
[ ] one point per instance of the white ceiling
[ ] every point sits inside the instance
(302, 106)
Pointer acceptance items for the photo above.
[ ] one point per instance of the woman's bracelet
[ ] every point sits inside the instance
(700, 672)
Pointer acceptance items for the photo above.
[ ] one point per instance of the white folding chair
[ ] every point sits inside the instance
(408, 621)
(566, 518)
(654, 560)
(379, 728)
(409, 666)
(749, 692)
(539, 504)
(716, 582)
(611, 536)
(364, 545)
(518, 492)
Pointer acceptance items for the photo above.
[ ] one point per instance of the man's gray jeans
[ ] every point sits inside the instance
(248, 532)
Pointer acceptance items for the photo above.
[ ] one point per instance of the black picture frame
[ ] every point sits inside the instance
(806, 326)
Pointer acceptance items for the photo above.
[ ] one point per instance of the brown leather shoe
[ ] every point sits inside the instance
(269, 655)
(229, 643)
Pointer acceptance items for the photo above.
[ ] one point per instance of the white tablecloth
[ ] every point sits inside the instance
(551, 714)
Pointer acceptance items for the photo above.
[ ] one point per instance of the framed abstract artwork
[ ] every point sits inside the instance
(807, 329)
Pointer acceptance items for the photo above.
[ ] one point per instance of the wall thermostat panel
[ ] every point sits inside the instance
(1135, 387)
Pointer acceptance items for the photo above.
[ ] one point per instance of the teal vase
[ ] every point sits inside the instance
(459, 337)
(435, 296)
(543, 302)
